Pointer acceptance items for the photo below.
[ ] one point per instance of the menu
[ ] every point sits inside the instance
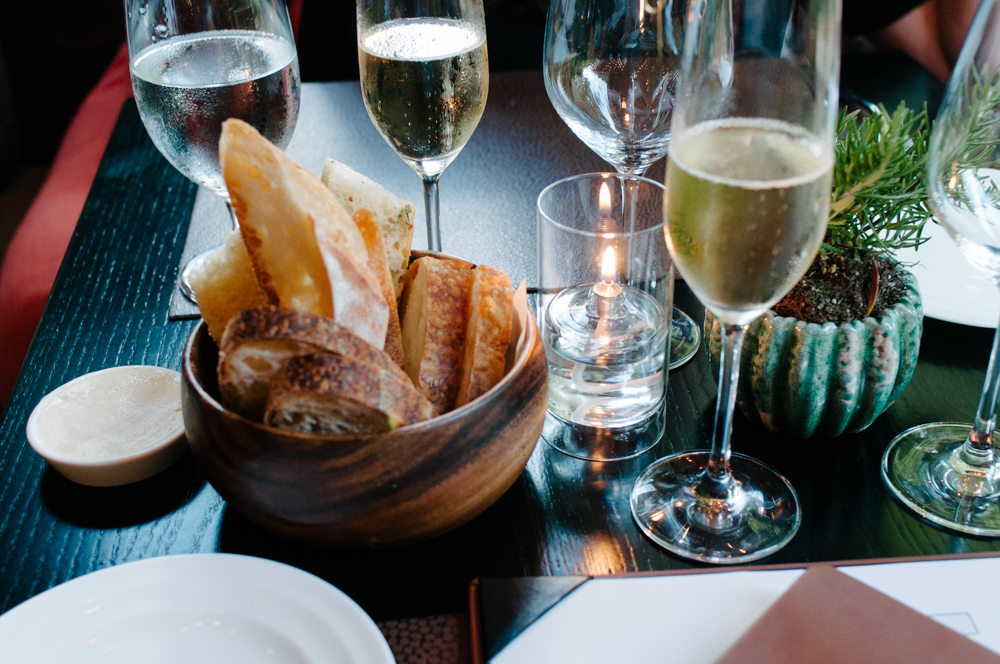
(723, 615)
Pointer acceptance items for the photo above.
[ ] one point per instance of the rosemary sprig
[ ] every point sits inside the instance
(878, 202)
(969, 140)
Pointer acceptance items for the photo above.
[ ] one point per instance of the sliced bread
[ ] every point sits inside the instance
(258, 342)
(487, 334)
(225, 284)
(305, 248)
(335, 394)
(435, 312)
(379, 266)
(393, 214)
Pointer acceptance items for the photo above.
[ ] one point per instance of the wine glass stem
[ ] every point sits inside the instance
(432, 210)
(717, 477)
(629, 201)
(979, 449)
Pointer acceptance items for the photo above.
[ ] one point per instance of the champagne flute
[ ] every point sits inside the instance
(949, 472)
(196, 63)
(424, 78)
(610, 68)
(748, 196)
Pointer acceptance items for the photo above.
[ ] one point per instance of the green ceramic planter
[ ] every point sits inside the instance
(805, 379)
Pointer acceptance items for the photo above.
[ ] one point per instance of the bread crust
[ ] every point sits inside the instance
(335, 394)
(257, 342)
(488, 333)
(435, 317)
(225, 284)
(393, 214)
(379, 266)
(305, 249)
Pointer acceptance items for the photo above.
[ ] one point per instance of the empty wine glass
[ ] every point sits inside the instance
(748, 196)
(609, 68)
(949, 472)
(424, 78)
(196, 63)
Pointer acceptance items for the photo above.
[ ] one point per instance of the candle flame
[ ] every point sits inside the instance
(608, 265)
(604, 199)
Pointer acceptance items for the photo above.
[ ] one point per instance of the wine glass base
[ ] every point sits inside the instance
(184, 281)
(758, 517)
(685, 337)
(925, 469)
(605, 443)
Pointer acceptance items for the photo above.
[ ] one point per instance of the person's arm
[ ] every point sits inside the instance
(932, 33)
(954, 19)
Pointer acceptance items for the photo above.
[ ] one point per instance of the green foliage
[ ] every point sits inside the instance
(878, 202)
(969, 140)
(978, 106)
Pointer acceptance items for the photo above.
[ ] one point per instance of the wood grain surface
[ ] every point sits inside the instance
(562, 516)
(366, 491)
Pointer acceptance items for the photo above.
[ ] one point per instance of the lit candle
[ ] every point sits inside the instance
(606, 297)
(598, 344)
(606, 224)
(607, 287)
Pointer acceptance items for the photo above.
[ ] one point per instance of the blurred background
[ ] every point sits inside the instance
(52, 52)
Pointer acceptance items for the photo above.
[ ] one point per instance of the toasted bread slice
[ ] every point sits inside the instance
(379, 266)
(305, 248)
(335, 394)
(488, 333)
(225, 284)
(258, 342)
(435, 316)
(393, 214)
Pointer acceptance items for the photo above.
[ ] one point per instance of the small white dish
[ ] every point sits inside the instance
(111, 427)
(197, 609)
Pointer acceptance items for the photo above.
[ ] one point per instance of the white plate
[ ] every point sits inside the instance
(950, 288)
(196, 609)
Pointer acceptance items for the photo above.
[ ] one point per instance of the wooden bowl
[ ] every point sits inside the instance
(368, 490)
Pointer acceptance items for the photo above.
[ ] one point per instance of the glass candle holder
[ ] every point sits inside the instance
(606, 291)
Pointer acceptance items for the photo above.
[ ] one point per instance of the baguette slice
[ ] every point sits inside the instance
(488, 333)
(335, 394)
(305, 248)
(379, 266)
(225, 284)
(393, 214)
(257, 342)
(435, 317)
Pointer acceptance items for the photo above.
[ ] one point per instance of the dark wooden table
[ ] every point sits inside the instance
(562, 517)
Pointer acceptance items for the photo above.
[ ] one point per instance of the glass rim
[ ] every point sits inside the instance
(598, 234)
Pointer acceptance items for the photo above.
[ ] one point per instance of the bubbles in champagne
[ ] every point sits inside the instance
(425, 83)
(747, 204)
(421, 39)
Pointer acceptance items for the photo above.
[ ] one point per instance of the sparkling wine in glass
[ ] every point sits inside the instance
(610, 71)
(197, 63)
(424, 78)
(748, 196)
(949, 472)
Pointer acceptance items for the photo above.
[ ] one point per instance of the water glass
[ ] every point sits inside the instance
(606, 290)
